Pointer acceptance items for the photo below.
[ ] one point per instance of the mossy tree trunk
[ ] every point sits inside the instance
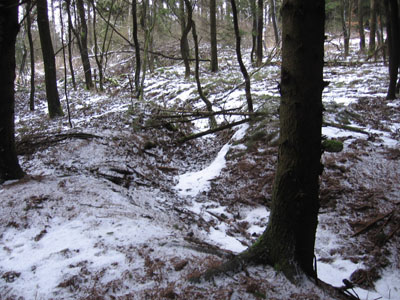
(288, 242)
(9, 166)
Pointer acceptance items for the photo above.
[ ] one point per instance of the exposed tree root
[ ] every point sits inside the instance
(240, 262)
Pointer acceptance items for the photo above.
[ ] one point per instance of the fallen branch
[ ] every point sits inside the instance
(29, 144)
(371, 223)
(206, 114)
(345, 127)
(210, 131)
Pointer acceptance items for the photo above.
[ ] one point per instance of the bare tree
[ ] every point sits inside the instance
(189, 9)
(260, 27)
(372, 27)
(392, 16)
(82, 37)
(185, 26)
(239, 57)
(28, 25)
(360, 13)
(137, 47)
(213, 36)
(9, 166)
(53, 98)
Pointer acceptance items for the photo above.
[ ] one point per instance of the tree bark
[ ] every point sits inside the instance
(70, 52)
(288, 242)
(253, 8)
(83, 37)
(32, 55)
(361, 25)
(372, 27)
(9, 166)
(137, 48)
(213, 36)
(346, 28)
(391, 7)
(53, 98)
(260, 26)
(212, 121)
(186, 26)
(274, 24)
(239, 57)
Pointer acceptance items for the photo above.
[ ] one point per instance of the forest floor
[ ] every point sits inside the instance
(116, 208)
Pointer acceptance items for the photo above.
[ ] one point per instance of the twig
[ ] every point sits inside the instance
(371, 223)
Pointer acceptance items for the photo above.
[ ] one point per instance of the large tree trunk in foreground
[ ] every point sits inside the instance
(9, 166)
(288, 242)
(53, 99)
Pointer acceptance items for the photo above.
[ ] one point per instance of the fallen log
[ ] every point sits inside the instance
(213, 130)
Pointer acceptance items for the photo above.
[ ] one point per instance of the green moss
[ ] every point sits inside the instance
(332, 146)
(259, 295)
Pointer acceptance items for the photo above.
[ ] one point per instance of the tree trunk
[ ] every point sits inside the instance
(393, 34)
(346, 29)
(253, 8)
(361, 26)
(212, 121)
(9, 166)
(274, 24)
(288, 242)
(53, 98)
(83, 36)
(260, 26)
(213, 36)
(239, 57)
(32, 55)
(185, 26)
(148, 24)
(70, 52)
(137, 48)
(372, 27)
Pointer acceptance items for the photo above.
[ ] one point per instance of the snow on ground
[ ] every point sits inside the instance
(97, 217)
(192, 183)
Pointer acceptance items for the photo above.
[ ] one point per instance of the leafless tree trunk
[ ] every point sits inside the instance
(360, 12)
(239, 57)
(28, 25)
(213, 36)
(9, 166)
(53, 98)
